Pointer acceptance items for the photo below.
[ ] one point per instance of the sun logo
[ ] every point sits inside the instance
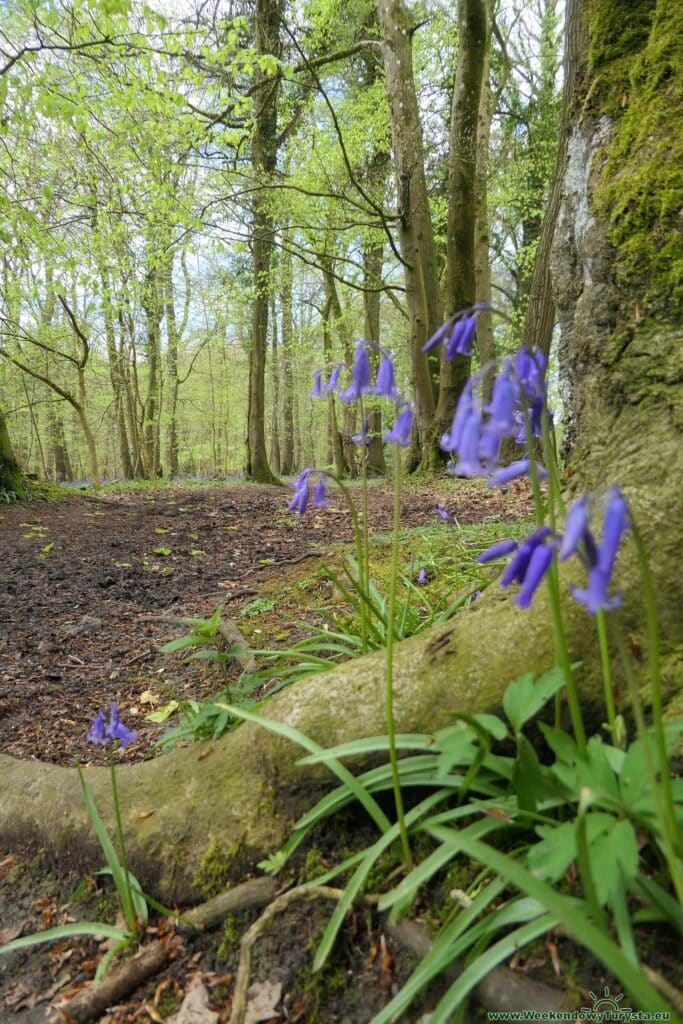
(607, 1006)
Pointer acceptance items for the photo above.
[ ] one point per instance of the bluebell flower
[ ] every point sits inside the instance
(421, 577)
(320, 499)
(316, 392)
(514, 471)
(362, 436)
(108, 729)
(332, 383)
(497, 550)
(539, 563)
(517, 568)
(443, 514)
(460, 340)
(459, 330)
(301, 493)
(615, 522)
(504, 401)
(469, 463)
(577, 532)
(360, 376)
(401, 430)
(385, 387)
(450, 442)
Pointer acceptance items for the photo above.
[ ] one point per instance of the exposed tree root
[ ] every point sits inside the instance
(250, 937)
(121, 980)
(254, 893)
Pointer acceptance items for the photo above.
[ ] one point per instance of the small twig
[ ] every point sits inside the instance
(301, 892)
(247, 896)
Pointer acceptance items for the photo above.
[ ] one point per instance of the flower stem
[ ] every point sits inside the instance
(360, 558)
(389, 669)
(127, 896)
(561, 646)
(606, 673)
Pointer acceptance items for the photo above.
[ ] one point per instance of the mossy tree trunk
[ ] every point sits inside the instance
(11, 479)
(622, 355)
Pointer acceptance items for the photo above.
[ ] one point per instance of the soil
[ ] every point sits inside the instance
(81, 592)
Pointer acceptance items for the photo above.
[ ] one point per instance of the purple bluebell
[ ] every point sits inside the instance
(301, 493)
(450, 442)
(497, 550)
(401, 430)
(515, 470)
(108, 727)
(615, 522)
(517, 567)
(316, 392)
(530, 370)
(458, 329)
(577, 532)
(441, 512)
(459, 342)
(360, 376)
(421, 577)
(504, 401)
(362, 436)
(385, 386)
(469, 463)
(539, 563)
(320, 499)
(332, 383)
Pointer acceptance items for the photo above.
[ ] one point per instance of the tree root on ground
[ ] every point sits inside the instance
(122, 979)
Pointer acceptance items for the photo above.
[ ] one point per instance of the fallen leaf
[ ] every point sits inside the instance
(141, 816)
(262, 1001)
(194, 1008)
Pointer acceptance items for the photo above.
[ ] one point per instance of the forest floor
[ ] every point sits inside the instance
(89, 591)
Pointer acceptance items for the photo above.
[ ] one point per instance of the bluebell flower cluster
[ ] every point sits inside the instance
(302, 492)
(533, 557)
(518, 397)
(108, 727)
(361, 384)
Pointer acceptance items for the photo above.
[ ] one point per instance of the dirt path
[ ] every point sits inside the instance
(81, 579)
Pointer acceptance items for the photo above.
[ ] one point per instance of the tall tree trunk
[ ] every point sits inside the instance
(460, 246)
(482, 261)
(11, 478)
(274, 457)
(336, 453)
(63, 473)
(415, 230)
(151, 304)
(288, 463)
(173, 339)
(264, 148)
(373, 254)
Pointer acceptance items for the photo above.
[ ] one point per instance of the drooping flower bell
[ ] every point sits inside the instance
(107, 727)
(360, 376)
(601, 558)
(385, 386)
(402, 428)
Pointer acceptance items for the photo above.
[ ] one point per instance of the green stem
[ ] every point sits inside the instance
(660, 781)
(389, 676)
(364, 505)
(128, 909)
(362, 571)
(655, 670)
(561, 646)
(601, 620)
